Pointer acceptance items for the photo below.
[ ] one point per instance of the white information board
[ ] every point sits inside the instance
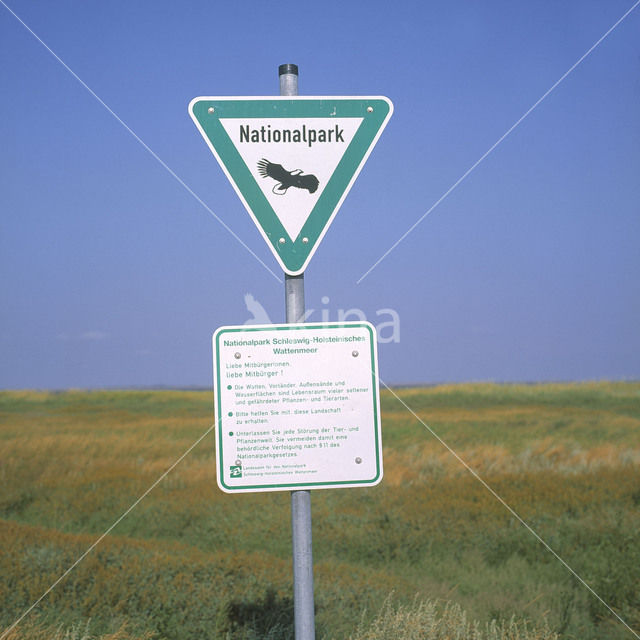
(297, 407)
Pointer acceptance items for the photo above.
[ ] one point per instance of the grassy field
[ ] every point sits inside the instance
(427, 554)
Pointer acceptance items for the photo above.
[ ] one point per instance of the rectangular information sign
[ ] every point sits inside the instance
(297, 407)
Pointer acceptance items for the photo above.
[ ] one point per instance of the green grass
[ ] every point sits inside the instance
(192, 562)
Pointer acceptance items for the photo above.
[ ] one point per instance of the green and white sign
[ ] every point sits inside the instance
(297, 407)
(292, 160)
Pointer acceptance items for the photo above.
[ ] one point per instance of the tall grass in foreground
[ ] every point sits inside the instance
(419, 621)
(192, 563)
(437, 621)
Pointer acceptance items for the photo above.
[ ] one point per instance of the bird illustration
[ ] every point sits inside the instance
(287, 179)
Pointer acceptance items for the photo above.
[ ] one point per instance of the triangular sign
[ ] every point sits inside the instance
(292, 160)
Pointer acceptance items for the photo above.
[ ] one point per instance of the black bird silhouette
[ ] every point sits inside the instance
(287, 179)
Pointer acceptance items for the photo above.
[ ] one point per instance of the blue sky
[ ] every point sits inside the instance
(114, 275)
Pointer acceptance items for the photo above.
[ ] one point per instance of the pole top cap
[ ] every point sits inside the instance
(288, 68)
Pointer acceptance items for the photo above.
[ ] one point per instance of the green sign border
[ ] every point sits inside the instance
(294, 254)
(220, 419)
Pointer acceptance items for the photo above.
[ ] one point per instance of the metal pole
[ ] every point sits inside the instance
(300, 500)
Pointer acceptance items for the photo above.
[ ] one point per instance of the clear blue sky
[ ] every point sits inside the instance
(114, 275)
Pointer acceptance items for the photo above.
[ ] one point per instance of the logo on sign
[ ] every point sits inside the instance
(287, 179)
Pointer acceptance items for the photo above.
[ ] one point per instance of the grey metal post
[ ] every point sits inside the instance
(300, 500)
